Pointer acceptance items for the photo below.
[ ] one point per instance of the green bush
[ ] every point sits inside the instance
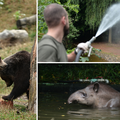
(66, 72)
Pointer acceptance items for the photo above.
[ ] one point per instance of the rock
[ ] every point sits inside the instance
(21, 23)
(17, 34)
(10, 37)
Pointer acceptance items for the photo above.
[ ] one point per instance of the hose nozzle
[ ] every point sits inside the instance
(92, 39)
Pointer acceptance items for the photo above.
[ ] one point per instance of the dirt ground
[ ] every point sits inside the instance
(22, 100)
(110, 52)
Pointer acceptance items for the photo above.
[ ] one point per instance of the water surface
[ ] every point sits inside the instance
(54, 106)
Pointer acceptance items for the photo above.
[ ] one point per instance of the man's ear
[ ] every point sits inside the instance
(63, 20)
(96, 87)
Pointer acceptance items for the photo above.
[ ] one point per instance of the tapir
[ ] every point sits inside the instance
(97, 95)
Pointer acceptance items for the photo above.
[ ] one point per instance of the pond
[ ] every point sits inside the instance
(54, 106)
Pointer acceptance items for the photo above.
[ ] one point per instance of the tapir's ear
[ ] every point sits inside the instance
(96, 87)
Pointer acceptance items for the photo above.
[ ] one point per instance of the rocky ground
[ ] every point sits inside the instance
(109, 52)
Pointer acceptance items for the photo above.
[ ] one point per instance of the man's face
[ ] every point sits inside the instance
(66, 27)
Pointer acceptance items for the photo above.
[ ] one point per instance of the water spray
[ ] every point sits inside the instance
(111, 17)
(92, 39)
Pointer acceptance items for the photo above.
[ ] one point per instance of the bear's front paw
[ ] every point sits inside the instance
(5, 97)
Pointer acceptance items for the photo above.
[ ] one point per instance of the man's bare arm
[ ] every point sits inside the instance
(71, 57)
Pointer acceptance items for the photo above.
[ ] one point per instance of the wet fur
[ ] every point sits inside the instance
(16, 71)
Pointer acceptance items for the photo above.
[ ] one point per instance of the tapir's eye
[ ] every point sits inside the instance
(84, 94)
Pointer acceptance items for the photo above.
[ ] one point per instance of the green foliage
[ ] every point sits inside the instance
(54, 73)
(70, 50)
(73, 34)
(84, 59)
(94, 52)
(70, 7)
(9, 10)
(32, 36)
(18, 15)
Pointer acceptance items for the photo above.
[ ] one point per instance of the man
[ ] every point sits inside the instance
(51, 48)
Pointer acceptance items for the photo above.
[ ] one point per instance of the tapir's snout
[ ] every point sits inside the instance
(72, 98)
(69, 100)
(77, 97)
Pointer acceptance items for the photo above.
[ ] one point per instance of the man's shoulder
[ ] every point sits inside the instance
(47, 41)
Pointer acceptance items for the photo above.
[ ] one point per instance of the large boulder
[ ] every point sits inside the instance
(10, 37)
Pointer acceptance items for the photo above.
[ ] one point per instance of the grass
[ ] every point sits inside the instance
(7, 20)
(7, 51)
(27, 7)
(13, 114)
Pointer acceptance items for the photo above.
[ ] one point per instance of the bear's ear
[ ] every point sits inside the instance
(96, 87)
(2, 63)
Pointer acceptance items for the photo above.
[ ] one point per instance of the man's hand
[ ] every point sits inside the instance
(83, 46)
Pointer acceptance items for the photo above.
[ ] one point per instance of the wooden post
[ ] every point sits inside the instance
(110, 36)
(32, 88)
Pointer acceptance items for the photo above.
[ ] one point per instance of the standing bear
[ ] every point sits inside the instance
(16, 69)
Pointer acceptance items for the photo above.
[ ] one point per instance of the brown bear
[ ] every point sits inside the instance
(16, 69)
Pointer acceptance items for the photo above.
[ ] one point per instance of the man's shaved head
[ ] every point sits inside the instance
(53, 14)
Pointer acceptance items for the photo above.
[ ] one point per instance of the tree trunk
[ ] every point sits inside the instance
(32, 88)
(110, 36)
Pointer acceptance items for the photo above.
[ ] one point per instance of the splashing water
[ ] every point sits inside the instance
(111, 17)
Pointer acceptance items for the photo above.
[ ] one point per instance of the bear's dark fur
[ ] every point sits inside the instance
(16, 69)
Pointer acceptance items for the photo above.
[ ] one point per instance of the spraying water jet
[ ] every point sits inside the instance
(111, 17)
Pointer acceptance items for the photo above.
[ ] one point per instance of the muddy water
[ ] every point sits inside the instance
(53, 106)
(94, 58)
